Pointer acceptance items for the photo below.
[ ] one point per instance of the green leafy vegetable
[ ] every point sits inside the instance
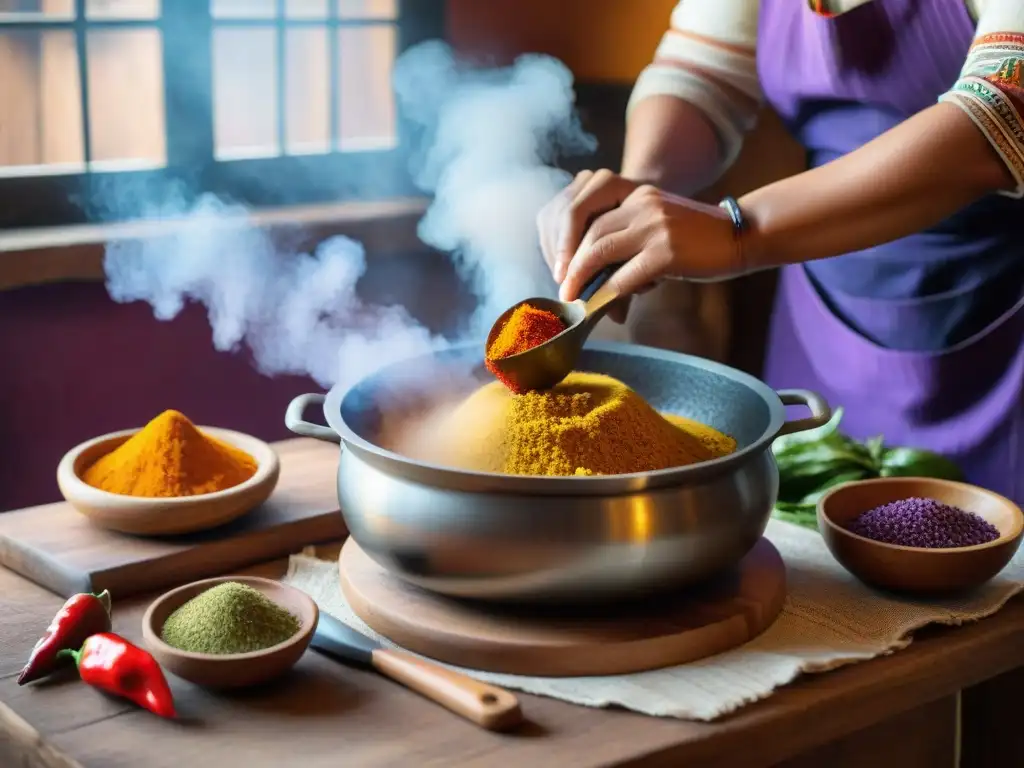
(797, 514)
(813, 462)
(876, 449)
(911, 462)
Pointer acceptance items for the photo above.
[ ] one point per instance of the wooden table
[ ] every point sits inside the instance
(898, 710)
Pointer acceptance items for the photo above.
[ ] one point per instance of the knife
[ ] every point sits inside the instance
(486, 705)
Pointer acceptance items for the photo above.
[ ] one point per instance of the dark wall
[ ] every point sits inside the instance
(77, 365)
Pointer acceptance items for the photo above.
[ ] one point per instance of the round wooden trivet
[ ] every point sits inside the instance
(673, 629)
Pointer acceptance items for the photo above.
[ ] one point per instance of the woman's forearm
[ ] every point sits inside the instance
(672, 145)
(906, 180)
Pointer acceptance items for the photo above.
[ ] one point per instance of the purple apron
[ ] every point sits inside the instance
(856, 328)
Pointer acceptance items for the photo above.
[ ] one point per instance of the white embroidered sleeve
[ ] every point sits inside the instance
(991, 84)
(707, 58)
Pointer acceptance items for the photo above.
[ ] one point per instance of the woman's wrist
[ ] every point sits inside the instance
(749, 243)
(891, 187)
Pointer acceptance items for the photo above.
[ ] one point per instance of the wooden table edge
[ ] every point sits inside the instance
(760, 723)
(35, 749)
(872, 700)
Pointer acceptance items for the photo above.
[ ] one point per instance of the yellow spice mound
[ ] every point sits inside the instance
(590, 424)
(170, 457)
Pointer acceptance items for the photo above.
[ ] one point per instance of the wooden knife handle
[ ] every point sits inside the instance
(486, 705)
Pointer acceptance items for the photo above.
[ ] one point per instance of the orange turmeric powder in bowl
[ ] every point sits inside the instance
(169, 477)
(170, 457)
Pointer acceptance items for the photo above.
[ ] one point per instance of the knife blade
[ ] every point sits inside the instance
(486, 705)
(337, 639)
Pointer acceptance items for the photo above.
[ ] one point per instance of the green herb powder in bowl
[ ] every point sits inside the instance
(229, 618)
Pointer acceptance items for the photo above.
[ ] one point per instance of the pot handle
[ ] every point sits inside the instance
(293, 419)
(820, 412)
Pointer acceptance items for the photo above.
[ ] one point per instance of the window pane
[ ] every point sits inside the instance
(126, 98)
(243, 9)
(122, 9)
(307, 92)
(27, 10)
(40, 103)
(366, 103)
(245, 93)
(368, 9)
(306, 9)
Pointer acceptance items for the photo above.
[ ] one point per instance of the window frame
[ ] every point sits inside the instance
(192, 168)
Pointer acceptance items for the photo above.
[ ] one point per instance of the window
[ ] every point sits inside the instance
(264, 102)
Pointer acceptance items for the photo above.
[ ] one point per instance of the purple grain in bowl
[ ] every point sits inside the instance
(925, 523)
(909, 553)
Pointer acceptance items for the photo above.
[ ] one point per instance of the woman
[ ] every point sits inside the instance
(902, 247)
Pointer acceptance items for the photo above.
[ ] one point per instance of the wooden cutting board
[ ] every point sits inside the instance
(669, 630)
(56, 547)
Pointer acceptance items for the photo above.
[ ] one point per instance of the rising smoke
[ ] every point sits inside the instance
(487, 139)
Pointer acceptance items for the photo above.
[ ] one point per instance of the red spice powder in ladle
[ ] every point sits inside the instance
(526, 328)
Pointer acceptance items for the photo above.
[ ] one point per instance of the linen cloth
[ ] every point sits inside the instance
(829, 620)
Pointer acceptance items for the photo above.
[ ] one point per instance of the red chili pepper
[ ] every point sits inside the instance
(82, 615)
(112, 664)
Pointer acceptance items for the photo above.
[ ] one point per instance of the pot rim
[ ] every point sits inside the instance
(476, 481)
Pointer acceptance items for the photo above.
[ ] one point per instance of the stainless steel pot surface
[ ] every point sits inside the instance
(521, 538)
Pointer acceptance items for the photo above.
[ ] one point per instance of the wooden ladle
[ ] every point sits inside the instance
(543, 366)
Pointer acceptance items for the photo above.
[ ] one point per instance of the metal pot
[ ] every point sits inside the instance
(521, 538)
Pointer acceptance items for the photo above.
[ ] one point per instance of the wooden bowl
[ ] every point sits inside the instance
(234, 670)
(918, 570)
(165, 516)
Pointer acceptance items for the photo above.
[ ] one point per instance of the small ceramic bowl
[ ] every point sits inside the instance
(235, 670)
(917, 570)
(165, 516)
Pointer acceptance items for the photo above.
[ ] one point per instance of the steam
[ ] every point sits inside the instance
(491, 135)
(486, 141)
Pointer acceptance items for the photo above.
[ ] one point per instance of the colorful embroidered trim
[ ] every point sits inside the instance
(997, 117)
(992, 53)
(991, 91)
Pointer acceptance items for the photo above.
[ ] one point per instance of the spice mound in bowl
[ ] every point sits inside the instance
(229, 618)
(919, 535)
(230, 632)
(589, 424)
(527, 327)
(170, 457)
(170, 477)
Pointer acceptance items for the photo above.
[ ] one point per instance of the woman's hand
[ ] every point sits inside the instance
(655, 235)
(563, 222)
